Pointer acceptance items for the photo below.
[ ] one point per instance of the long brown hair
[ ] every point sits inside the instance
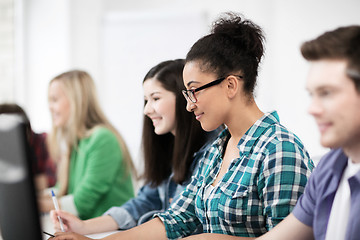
(165, 154)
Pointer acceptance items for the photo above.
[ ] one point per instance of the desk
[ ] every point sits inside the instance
(48, 227)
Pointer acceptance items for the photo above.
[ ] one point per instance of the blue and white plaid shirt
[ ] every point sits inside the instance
(260, 188)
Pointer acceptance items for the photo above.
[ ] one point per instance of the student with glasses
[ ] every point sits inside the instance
(252, 175)
(329, 209)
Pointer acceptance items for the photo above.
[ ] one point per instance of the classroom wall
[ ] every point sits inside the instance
(118, 41)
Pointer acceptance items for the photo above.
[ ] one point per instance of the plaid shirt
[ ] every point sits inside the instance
(43, 163)
(260, 188)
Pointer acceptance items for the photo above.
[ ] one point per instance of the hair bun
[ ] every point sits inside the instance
(239, 30)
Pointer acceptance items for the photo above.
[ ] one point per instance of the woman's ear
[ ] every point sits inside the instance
(232, 86)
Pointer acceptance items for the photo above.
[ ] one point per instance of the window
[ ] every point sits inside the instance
(7, 50)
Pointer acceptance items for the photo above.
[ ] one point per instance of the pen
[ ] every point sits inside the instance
(56, 204)
(49, 234)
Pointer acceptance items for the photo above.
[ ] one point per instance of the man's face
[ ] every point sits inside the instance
(335, 104)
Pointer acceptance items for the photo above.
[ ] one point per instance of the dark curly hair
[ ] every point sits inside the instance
(235, 45)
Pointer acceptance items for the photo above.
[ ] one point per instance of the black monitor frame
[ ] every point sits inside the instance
(19, 215)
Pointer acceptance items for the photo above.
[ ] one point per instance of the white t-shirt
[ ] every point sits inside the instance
(340, 209)
(208, 190)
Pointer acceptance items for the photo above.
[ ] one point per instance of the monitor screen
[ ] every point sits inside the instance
(19, 216)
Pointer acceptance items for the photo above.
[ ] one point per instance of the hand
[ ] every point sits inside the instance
(71, 222)
(68, 236)
(40, 182)
(45, 203)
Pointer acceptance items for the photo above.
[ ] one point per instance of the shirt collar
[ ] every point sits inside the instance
(340, 162)
(251, 136)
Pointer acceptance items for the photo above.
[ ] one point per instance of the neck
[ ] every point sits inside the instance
(242, 118)
(353, 152)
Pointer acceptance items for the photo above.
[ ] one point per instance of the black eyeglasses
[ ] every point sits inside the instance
(190, 94)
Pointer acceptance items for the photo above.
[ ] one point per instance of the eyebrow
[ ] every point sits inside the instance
(191, 82)
(322, 87)
(154, 93)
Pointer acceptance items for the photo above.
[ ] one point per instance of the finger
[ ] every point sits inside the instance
(58, 233)
(55, 220)
(68, 236)
(57, 227)
(53, 216)
(61, 236)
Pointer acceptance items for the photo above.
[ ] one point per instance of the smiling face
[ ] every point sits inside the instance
(159, 106)
(335, 104)
(59, 104)
(210, 107)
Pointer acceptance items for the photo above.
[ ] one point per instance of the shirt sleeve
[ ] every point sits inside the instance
(128, 214)
(103, 160)
(304, 209)
(282, 180)
(180, 219)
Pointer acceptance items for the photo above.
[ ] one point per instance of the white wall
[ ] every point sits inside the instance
(132, 44)
(63, 34)
(47, 52)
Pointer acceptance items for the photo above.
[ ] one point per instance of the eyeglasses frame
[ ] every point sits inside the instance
(210, 84)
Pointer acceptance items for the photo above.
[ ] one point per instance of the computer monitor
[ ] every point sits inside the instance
(19, 215)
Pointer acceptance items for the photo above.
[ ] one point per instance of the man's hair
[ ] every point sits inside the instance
(341, 43)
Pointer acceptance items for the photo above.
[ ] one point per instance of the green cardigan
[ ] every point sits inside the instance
(98, 179)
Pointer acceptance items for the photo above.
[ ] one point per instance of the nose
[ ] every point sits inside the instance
(51, 106)
(148, 109)
(314, 108)
(190, 106)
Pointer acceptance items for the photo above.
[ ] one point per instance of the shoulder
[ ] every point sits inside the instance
(101, 132)
(334, 159)
(277, 137)
(278, 141)
(100, 136)
(329, 168)
(101, 143)
(274, 132)
(327, 173)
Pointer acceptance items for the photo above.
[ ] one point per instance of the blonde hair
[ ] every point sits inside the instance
(85, 116)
